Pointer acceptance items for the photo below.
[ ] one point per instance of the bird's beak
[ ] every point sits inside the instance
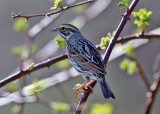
(55, 29)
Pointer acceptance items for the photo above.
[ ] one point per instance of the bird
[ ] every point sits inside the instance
(85, 58)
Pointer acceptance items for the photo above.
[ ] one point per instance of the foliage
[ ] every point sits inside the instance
(36, 87)
(21, 51)
(15, 109)
(60, 41)
(104, 41)
(18, 50)
(60, 107)
(142, 18)
(20, 25)
(123, 4)
(129, 50)
(11, 87)
(105, 108)
(56, 5)
(128, 65)
(64, 64)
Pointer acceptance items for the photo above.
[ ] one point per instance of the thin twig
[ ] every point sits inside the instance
(140, 72)
(151, 95)
(137, 36)
(52, 13)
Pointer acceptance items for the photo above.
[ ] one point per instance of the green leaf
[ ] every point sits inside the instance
(63, 64)
(105, 108)
(60, 107)
(32, 48)
(129, 50)
(18, 51)
(131, 68)
(104, 41)
(123, 4)
(36, 87)
(12, 87)
(20, 25)
(124, 64)
(56, 5)
(60, 41)
(15, 109)
(142, 18)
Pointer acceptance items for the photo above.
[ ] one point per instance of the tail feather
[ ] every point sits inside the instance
(107, 92)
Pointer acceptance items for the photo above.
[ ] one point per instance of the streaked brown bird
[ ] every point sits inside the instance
(85, 58)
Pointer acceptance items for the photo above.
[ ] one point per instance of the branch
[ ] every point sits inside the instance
(53, 60)
(136, 36)
(108, 51)
(84, 98)
(51, 13)
(140, 72)
(151, 95)
(118, 31)
(23, 72)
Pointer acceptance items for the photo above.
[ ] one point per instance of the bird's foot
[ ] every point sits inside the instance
(78, 89)
(83, 88)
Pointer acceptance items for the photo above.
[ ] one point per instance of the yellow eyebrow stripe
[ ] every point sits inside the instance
(62, 26)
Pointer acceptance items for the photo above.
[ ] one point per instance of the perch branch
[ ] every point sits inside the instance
(109, 49)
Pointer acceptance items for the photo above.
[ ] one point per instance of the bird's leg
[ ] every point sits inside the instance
(78, 89)
(88, 85)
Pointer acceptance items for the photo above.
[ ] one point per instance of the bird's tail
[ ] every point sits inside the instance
(107, 92)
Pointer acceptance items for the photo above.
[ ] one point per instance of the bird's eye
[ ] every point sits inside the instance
(62, 28)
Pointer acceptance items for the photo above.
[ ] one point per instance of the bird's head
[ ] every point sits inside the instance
(66, 31)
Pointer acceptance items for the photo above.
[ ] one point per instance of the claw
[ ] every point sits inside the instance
(84, 87)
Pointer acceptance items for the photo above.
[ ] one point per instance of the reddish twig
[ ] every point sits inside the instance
(137, 36)
(140, 72)
(52, 13)
(151, 95)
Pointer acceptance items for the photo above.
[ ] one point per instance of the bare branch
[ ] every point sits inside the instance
(51, 13)
(151, 95)
(23, 72)
(140, 72)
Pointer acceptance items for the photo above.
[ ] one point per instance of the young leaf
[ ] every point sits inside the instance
(36, 87)
(123, 4)
(56, 5)
(142, 18)
(104, 42)
(18, 50)
(60, 107)
(129, 50)
(64, 64)
(105, 108)
(131, 68)
(124, 64)
(60, 41)
(20, 25)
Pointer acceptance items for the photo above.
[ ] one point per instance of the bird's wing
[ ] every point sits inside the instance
(87, 56)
